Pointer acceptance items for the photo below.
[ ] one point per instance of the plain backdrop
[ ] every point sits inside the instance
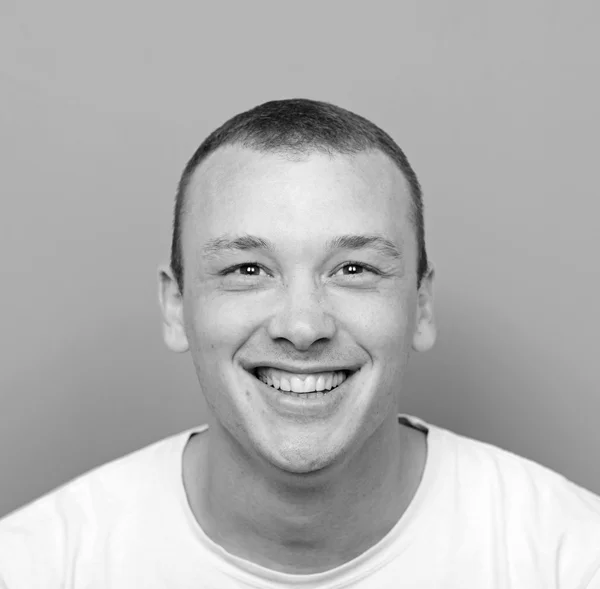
(497, 107)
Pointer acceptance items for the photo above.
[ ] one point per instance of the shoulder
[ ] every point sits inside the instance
(536, 510)
(521, 480)
(66, 524)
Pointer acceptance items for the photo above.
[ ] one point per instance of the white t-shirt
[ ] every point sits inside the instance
(482, 518)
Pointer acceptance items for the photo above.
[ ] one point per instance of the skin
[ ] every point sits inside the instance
(293, 493)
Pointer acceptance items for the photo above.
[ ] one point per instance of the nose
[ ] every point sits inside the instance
(303, 316)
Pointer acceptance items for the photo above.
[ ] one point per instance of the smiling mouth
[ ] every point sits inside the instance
(310, 386)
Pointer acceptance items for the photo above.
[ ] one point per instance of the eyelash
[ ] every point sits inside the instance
(234, 268)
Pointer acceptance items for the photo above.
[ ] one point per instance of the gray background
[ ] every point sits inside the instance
(102, 103)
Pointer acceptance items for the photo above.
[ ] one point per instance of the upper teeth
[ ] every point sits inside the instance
(301, 383)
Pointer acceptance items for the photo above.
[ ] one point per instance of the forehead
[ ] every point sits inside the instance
(239, 190)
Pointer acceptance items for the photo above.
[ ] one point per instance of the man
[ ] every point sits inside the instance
(299, 282)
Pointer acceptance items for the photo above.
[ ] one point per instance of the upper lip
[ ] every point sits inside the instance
(305, 369)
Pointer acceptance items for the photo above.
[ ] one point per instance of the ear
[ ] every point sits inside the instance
(425, 329)
(171, 304)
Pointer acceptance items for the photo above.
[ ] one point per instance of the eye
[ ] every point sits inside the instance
(357, 269)
(247, 269)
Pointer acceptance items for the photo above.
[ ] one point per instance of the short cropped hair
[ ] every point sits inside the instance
(298, 127)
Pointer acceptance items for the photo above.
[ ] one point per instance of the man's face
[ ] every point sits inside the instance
(299, 306)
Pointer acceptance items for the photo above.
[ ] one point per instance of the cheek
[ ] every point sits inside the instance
(382, 321)
(218, 326)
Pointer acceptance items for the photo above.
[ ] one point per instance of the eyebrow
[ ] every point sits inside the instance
(221, 245)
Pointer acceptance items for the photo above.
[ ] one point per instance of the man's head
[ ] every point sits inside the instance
(299, 244)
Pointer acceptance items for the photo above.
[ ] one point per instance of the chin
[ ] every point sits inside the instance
(301, 458)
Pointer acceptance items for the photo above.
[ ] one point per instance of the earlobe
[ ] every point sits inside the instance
(175, 339)
(171, 304)
(424, 337)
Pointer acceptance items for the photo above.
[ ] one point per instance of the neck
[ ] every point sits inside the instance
(299, 524)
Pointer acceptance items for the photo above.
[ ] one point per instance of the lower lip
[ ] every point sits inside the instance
(305, 405)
